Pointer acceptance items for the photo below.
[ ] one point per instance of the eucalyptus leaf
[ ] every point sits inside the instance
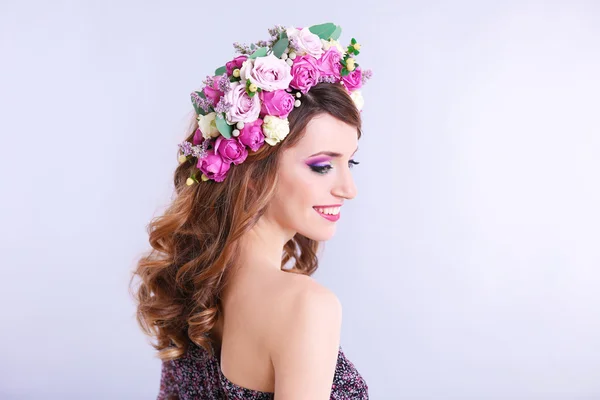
(221, 70)
(324, 31)
(252, 46)
(336, 34)
(280, 46)
(223, 126)
(260, 52)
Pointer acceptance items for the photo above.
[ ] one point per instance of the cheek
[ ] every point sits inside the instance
(299, 192)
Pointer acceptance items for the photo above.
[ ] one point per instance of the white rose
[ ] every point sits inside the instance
(208, 125)
(268, 73)
(306, 42)
(275, 129)
(358, 99)
(327, 44)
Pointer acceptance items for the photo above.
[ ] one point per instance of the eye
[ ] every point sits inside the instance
(352, 163)
(321, 169)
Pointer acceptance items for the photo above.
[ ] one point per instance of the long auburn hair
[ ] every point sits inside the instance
(194, 242)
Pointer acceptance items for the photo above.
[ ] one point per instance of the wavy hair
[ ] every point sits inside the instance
(194, 241)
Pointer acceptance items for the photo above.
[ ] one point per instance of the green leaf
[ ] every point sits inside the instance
(353, 41)
(223, 126)
(220, 71)
(336, 34)
(356, 52)
(324, 31)
(260, 52)
(252, 46)
(345, 72)
(280, 46)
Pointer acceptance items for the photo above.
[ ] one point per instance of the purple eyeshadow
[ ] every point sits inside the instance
(319, 160)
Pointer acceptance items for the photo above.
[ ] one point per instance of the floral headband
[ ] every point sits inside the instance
(246, 103)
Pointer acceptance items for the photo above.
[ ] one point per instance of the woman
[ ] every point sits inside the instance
(226, 290)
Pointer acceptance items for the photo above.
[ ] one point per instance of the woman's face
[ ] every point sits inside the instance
(315, 179)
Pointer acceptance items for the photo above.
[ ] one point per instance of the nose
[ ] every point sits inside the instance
(344, 186)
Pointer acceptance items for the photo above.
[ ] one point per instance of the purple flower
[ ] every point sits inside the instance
(186, 148)
(199, 102)
(223, 84)
(366, 75)
(222, 106)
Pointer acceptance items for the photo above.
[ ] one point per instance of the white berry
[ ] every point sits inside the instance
(235, 133)
(292, 55)
(240, 125)
(297, 103)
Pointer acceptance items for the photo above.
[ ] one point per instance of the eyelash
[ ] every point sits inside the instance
(323, 169)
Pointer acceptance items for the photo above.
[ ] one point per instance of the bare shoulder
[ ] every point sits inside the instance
(304, 341)
(302, 297)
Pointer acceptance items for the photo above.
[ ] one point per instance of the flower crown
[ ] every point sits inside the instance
(247, 101)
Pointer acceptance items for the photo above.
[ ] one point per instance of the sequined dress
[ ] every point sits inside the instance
(197, 375)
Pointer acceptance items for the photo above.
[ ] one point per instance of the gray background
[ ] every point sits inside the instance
(467, 266)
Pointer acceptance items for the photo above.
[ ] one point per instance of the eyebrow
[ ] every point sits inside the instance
(331, 153)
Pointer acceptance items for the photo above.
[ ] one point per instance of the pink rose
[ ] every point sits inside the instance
(244, 108)
(268, 72)
(305, 73)
(278, 103)
(329, 63)
(252, 135)
(235, 63)
(231, 150)
(213, 166)
(305, 42)
(353, 80)
(198, 139)
(212, 92)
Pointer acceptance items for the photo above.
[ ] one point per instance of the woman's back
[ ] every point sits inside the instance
(254, 307)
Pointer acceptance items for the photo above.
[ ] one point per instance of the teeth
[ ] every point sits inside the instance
(329, 210)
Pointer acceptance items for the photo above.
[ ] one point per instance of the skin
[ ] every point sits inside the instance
(281, 332)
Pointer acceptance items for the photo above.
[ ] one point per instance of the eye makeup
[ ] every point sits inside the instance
(322, 165)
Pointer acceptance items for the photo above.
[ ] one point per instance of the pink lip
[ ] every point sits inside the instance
(327, 216)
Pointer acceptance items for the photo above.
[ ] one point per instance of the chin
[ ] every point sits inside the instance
(320, 235)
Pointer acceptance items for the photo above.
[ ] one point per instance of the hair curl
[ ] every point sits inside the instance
(194, 242)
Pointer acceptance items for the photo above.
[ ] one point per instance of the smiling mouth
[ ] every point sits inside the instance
(329, 213)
